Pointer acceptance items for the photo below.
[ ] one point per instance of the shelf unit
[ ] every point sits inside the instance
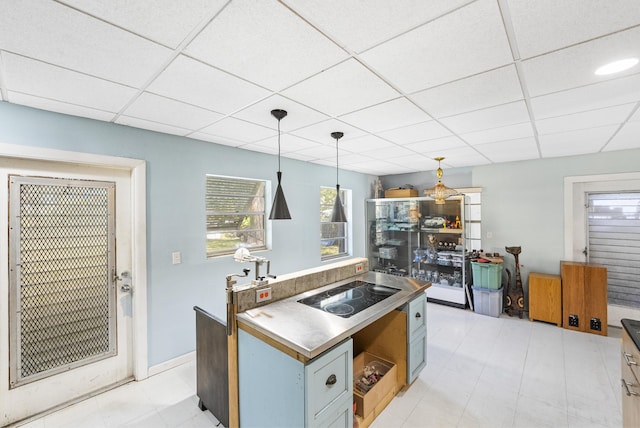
(417, 237)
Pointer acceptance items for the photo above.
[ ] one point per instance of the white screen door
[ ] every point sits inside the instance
(70, 329)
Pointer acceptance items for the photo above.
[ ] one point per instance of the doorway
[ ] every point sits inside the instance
(124, 355)
(576, 191)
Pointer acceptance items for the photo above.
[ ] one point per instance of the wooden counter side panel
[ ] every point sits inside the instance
(572, 294)
(595, 298)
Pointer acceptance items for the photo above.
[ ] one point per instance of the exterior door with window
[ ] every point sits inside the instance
(69, 285)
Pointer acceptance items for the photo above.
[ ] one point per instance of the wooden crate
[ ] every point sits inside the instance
(401, 193)
(370, 404)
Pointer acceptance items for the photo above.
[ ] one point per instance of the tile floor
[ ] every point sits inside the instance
(481, 372)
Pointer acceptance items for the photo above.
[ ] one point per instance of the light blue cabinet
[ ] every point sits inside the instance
(276, 390)
(416, 336)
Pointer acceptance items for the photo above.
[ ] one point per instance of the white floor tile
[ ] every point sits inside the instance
(481, 372)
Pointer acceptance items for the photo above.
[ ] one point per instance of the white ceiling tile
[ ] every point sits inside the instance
(165, 21)
(298, 116)
(63, 36)
(483, 90)
(419, 132)
(174, 113)
(152, 126)
(341, 89)
(441, 144)
(203, 136)
(365, 143)
(196, 83)
(575, 142)
(254, 147)
(389, 152)
(626, 138)
(266, 43)
(575, 66)
(458, 157)
(241, 130)
(320, 152)
(493, 117)
(604, 94)
(359, 25)
(298, 156)
(387, 115)
(416, 162)
(288, 143)
(47, 81)
(58, 106)
(466, 42)
(636, 116)
(544, 25)
(321, 132)
(510, 150)
(510, 132)
(587, 119)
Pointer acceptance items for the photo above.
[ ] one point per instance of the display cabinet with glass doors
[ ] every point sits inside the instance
(417, 237)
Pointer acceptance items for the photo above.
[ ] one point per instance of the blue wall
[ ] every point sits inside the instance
(176, 169)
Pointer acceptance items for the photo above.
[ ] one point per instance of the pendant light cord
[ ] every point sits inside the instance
(337, 181)
(278, 145)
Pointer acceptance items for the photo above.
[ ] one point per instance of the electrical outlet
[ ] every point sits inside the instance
(263, 294)
(595, 324)
(359, 268)
(176, 257)
(573, 321)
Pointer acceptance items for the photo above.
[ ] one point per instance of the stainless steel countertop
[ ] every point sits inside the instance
(310, 331)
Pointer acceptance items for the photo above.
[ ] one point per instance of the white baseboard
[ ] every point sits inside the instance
(170, 364)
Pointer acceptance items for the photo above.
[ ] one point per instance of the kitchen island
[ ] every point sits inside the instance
(295, 361)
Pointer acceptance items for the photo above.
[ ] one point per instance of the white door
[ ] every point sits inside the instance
(62, 382)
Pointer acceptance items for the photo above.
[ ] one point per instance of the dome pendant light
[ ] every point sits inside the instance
(440, 192)
(279, 209)
(338, 210)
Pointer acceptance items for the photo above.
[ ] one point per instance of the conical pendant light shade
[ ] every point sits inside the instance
(337, 216)
(279, 209)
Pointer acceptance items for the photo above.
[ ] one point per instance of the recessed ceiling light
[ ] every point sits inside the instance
(616, 66)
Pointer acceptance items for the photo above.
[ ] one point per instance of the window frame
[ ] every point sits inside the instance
(235, 225)
(325, 210)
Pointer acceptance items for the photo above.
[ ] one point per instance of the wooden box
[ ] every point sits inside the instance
(400, 193)
(370, 404)
(584, 297)
(545, 298)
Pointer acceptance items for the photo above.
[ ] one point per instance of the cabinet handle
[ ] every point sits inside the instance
(418, 315)
(626, 386)
(629, 362)
(331, 380)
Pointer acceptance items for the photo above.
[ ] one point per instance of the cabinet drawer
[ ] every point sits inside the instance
(416, 356)
(417, 315)
(328, 382)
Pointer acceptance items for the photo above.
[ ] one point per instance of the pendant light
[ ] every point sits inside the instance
(440, 192)
(338, 211)
(279, 209)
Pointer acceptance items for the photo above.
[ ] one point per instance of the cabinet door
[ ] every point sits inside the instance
(416, 356)
(329, 385)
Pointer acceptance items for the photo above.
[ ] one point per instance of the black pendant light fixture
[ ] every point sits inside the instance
(279, 209)
(338, 211)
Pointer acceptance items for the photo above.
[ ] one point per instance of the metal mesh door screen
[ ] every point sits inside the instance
(61, 260)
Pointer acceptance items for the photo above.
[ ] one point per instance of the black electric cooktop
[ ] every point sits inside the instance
(349, 299)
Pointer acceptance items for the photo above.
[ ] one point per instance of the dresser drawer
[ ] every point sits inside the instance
(416, 316)
(329, 383)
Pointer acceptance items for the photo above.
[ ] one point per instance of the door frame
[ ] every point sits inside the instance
(137, 168)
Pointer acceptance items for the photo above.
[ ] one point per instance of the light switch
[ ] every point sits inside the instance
(176, 257)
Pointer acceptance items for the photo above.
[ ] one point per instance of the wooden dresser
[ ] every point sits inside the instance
(630, 373)
(545, 298)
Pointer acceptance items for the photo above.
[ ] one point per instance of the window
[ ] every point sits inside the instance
(235, 214)
(334, 239)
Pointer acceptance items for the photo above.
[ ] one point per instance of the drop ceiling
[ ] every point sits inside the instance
(477, 82)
